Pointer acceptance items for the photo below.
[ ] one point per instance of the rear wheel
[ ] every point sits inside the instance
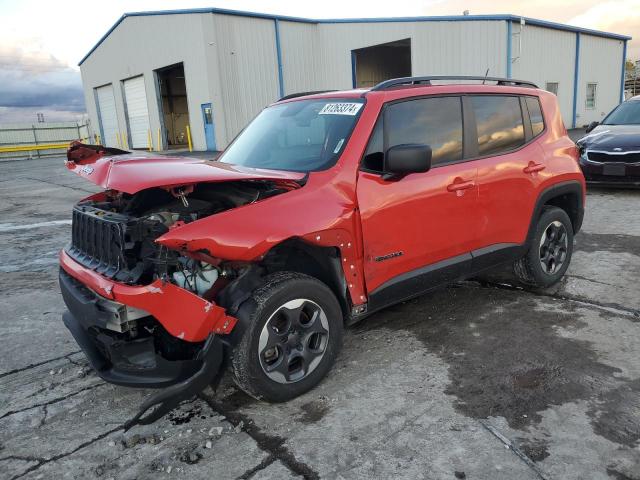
(549, 251)
(292, 332)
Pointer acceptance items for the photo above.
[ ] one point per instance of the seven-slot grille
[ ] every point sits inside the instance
(604, 157)
(98, 240)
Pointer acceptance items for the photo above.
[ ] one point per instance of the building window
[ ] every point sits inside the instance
(552, 87)
(591, 96)
(499, 123)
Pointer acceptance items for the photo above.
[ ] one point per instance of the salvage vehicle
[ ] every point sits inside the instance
(328, 207)
(610, 152)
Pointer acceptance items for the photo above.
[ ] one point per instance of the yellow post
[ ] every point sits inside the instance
(189, 139)
(98, 139)
(149, 140)
(118, 140)
(159, 141)
(124, 141)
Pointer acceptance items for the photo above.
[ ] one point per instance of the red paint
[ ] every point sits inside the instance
(182, 313)
(430, 216)
(134, 172)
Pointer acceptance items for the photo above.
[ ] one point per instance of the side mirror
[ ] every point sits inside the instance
(401, 160)
(591, 126)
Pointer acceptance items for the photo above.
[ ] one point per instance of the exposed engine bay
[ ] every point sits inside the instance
(115, 235)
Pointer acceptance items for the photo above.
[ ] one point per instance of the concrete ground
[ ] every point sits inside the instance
(478, 380)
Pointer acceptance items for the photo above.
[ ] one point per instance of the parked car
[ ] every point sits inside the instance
(610, 152)
(325, 209)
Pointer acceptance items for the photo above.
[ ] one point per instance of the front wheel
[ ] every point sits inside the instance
(291, 334)
(549, 251)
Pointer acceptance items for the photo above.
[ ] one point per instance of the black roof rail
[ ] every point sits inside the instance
(394, 82)
(302, 94)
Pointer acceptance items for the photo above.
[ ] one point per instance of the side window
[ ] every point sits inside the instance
(436, 122)
(535, 115)
(499, 121)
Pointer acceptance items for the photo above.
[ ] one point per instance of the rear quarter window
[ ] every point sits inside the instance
(535, 115)
(499, 123)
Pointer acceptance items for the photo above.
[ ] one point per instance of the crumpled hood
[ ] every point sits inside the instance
(133, 172)
(608, 137)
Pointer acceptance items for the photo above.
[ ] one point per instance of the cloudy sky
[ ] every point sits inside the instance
(41, 41)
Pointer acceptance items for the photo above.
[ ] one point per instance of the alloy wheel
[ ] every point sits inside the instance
(553, 247)
(293, 341)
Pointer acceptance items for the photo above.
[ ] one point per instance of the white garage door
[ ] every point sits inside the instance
(108, 118)
(137, 113)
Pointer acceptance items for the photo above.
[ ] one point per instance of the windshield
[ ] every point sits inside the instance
(301, 136)
(627, 113)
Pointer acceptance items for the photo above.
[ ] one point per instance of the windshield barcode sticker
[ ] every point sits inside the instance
(340, 109)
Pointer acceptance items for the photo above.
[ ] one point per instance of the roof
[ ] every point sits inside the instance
(452, 18)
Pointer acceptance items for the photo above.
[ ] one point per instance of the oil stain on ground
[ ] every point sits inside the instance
(313, 411)
(504, 354)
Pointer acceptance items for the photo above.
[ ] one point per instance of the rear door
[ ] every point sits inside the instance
(137, 112)
(417, 231)
(511, 166)
(107, 116)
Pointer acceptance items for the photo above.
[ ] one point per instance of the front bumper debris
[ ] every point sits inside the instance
(137, 361)
(183, 314)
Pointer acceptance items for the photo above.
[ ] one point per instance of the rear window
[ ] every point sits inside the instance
(535, 115)
(499, 122)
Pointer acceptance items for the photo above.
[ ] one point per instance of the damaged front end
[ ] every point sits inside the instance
(144, 314)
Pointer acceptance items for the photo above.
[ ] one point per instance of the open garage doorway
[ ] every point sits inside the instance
(173, 105)
(372, 65)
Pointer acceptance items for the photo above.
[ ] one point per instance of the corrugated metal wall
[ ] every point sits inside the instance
(600, 63)
(301, 56)
(247, 66)
(543, 55)
(232, 61)
(139, 45)
(437, 48)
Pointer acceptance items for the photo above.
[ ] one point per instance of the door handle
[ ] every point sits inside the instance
(460, 184)
(534, 167)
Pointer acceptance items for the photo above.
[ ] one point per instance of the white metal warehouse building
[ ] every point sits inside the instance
(154, 73)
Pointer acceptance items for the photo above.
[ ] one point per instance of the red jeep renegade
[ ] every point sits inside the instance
(327, 208)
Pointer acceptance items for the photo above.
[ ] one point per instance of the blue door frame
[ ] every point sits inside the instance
(209, 130)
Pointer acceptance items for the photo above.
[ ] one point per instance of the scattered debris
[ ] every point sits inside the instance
(460, 474)
(238, 428)
(208, 444)
(190, 458)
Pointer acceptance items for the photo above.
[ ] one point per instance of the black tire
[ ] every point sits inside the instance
(269, 303)
(537, 268)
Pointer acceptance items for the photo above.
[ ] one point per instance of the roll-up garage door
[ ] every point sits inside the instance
(108, 118)
(137, 112)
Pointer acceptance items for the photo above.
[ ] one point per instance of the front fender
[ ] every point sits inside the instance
(321, 213)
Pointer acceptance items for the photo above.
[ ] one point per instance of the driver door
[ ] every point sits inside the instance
(418, 231)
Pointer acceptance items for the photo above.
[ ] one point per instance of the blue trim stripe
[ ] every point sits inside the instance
(279, 56)
(576, 72)
(509, 42)
(624, 68)
(452, 18)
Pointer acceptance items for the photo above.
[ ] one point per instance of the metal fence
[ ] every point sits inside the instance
(21, 137)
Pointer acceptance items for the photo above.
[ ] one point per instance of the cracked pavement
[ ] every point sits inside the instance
(479, 380)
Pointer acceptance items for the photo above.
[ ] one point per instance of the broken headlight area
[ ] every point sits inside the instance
(114, 233)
